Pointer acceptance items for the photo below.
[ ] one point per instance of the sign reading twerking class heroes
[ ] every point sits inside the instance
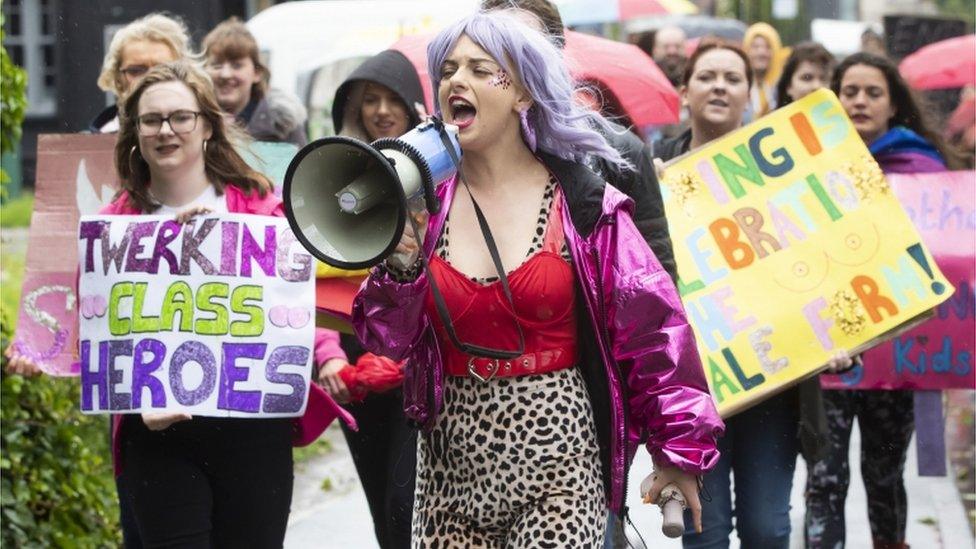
(791, 245)
(213, 317)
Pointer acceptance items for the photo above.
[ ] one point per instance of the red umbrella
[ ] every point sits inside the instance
(947, 64)
(631, 9)
(630, 81)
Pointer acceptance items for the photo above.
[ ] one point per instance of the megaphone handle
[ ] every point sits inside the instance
(674, 522)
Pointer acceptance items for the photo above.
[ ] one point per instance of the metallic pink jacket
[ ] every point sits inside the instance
(637, 350)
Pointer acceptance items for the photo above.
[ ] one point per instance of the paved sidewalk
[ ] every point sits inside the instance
(339, 518)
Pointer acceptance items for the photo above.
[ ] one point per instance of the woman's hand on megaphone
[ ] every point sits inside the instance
(408, 249)
(687, 483)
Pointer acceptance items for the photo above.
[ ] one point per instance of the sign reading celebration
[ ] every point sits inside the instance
(213, 317)
(790, 246)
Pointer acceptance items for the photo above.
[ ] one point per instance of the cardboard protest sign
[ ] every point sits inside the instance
(213, 317)
(76, 176)
(939, 353)
(790, 245)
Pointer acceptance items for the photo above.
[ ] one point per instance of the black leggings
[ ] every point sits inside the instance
(209, 482)
(385, 453)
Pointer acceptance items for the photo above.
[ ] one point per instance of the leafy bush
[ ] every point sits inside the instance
(13, 105)
(56, 484)
(17, 212)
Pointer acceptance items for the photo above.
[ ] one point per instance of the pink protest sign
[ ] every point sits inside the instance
(75, 176)
(938, 354)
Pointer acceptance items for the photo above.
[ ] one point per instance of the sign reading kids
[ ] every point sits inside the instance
(213, 317)
(790, 246)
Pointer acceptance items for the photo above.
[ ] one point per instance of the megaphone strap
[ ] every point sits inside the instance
(440, 304)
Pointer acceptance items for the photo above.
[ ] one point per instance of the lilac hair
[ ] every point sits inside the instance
(564, 127)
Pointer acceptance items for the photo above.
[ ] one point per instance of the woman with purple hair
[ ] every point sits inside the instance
(530, 449)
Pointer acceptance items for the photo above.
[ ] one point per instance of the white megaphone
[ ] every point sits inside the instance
(347, 201)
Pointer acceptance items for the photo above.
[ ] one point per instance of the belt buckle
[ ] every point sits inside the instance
(474, 373)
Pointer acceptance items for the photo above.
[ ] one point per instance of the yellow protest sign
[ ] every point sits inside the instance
(790, 246)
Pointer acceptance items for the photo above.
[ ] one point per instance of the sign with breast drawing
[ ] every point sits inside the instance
(791, 245)
(213, 317)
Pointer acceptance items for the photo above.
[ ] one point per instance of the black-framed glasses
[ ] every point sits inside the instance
(151, 123)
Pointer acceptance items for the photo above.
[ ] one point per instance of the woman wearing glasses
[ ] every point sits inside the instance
(136, 48)
(200, 481)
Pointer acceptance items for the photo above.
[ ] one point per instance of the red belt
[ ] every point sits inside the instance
(539, 362)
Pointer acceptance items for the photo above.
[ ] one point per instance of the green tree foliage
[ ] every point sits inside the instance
(56, 484)
(13, 103)
(963, 9)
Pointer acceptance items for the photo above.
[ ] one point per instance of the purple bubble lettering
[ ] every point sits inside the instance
(250, 249)
(303, 261)
(143, 373)
(191, 244)
(192, 351)
(90, 381)
(114, 254)
(228, 247)
(138, 232)
(290, 355)
(168, 231)
(89, 231)
(117, 348)
(227, 397)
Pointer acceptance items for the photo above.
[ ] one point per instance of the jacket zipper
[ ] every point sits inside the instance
(622, 439)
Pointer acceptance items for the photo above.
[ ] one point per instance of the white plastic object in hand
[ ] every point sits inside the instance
(672, 503)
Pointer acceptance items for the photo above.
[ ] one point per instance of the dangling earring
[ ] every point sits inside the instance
(528, 134)
(133, 156)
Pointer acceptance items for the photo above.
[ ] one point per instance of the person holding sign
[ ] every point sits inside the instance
(200, 481)
(533, 389)
(761, 444)
(896, 129)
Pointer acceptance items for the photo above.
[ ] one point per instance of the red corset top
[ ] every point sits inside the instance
(543, 292)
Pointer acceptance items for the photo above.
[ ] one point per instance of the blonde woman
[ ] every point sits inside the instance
(136, 48)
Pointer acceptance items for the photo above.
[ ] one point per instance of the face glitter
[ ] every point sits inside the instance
(501, 79)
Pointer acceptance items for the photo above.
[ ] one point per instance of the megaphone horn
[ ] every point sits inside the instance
(347, 201)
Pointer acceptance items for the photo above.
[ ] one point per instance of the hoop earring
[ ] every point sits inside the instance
(528, 134)
(204, 146)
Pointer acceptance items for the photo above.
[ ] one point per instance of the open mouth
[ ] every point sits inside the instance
(718, 103)
(167, 149)
(860, 118)
(462, 111)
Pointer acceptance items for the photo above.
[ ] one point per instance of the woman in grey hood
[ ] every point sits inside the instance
(381, 98)
(241, 82)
